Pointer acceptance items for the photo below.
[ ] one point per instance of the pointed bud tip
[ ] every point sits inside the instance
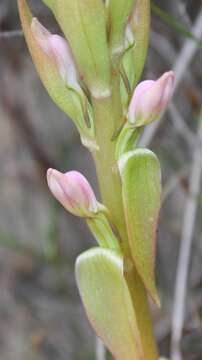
(41, 35)
(169, 74)
(38, 29)
(168, 80)
(54, 184)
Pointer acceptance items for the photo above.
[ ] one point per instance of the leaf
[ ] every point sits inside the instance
(84, 25)
(141, 188)
(67, 99)
(99, 274)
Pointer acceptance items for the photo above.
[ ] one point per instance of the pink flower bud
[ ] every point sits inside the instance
(57, 47)
(150, 99)
(73, 191)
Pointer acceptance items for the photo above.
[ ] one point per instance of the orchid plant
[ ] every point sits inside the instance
(92, 74)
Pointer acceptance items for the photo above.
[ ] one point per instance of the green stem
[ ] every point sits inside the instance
(143, 314)
(106, 165)
(108, 118)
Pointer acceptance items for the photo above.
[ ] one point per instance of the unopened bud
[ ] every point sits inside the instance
(150, 99)
(57, 48)
(53, 59)
(73, 191)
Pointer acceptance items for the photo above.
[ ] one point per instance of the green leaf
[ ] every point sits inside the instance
(99, 274)
(141, 187)
(118, 14)
(84, 25)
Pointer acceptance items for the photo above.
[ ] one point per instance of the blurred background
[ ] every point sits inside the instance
(41, 315)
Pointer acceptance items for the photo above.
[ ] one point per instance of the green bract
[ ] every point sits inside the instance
(140, 25)
(103, 233)
(127, 139)
(99, 274)
(118, 14)
(128, 77)
(137, 39)
(141, 189)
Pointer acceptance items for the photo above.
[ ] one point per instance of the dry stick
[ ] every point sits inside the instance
(163, 47)
(184, 59)
(100, 350)
(11, 34)
(180, 125)
(168, 53)
(185, 248)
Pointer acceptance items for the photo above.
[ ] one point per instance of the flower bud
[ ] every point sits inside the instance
(57, 48)
(74, 192)
(55, 65)
(150, 99)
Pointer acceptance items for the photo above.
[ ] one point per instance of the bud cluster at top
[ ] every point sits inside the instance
(101, 38)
